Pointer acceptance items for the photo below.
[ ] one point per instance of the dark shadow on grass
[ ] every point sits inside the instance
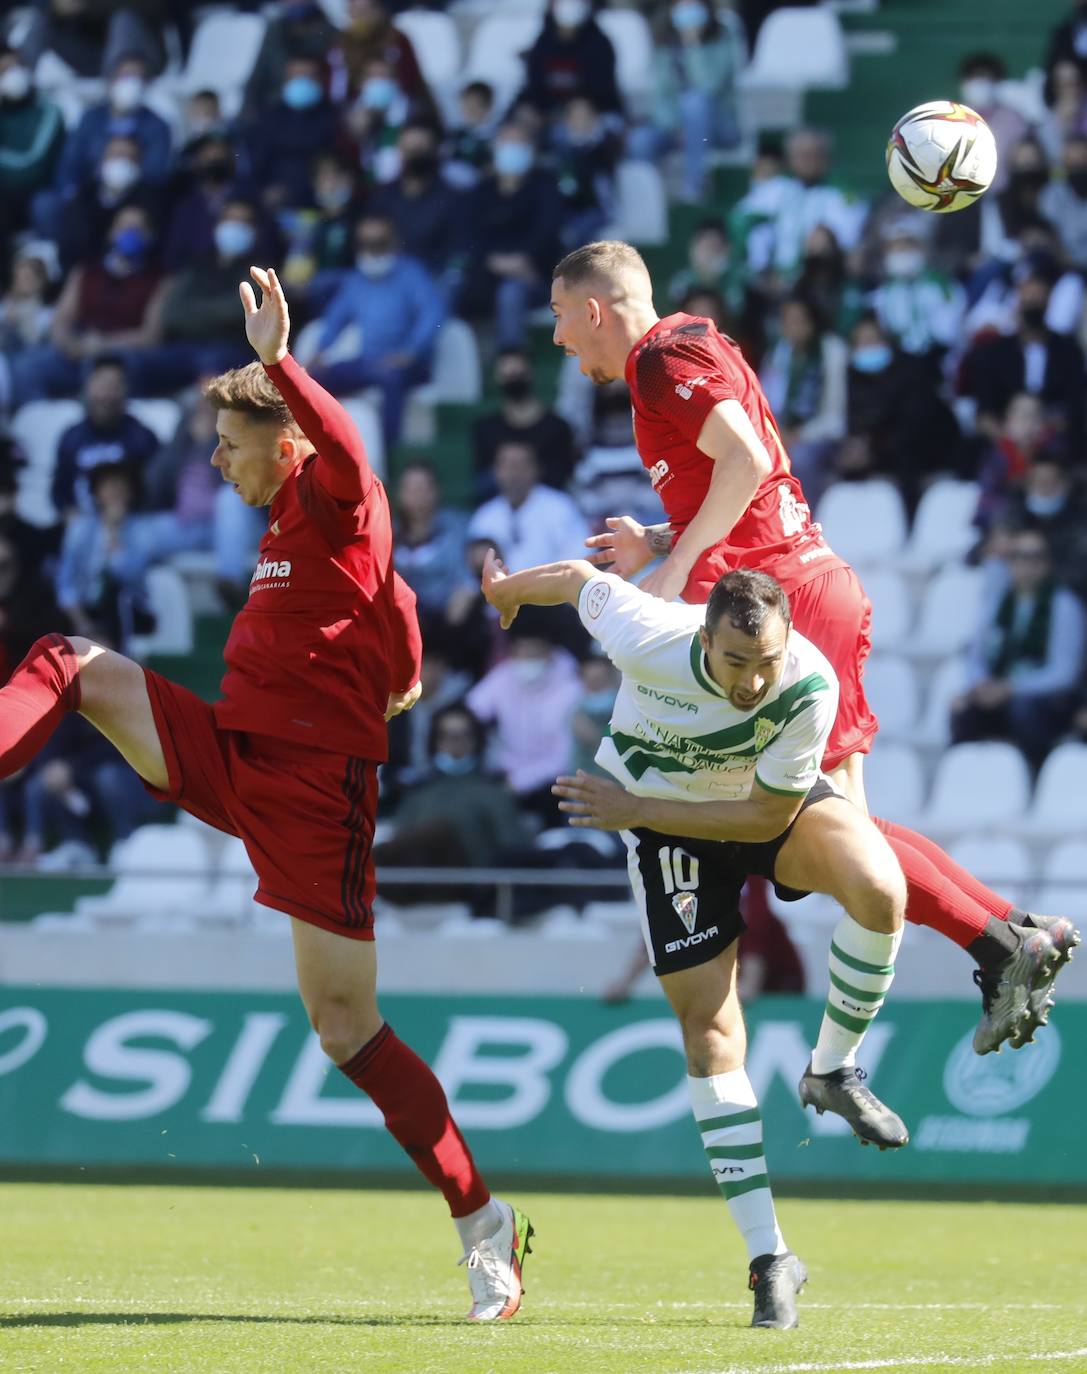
(51, 1319)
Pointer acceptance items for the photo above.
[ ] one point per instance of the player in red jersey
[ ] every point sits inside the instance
(706, 435)
(324, 651)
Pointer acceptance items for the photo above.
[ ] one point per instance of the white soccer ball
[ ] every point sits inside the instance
(941, 156)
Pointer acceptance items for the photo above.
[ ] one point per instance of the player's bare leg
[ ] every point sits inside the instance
(726, 1112)
(833, 849)
(337, 980)
(1018, 953)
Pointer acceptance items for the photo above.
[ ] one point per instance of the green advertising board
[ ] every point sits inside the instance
(540, 1085)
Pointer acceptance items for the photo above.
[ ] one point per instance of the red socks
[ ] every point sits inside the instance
(942, 894)
(416, 1114)
(39, 692)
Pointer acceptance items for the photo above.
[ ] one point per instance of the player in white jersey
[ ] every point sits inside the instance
(717, 735)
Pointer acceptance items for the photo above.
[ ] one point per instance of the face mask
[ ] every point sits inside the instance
(131, 243)
(126, 93)
(710, 261)
(689, 15)
(1078, 182)
(119, 173)
(1033, 316)
(301, 93)
(375, 264)
(978, 92)
(378, 92)
(15, 84)
(517, 388)
(872, 357)
(1031, 179)
(1044, 505)
(596, 703)
(570, 14)
(420, 165)
(529, 670)
(452, 766)
(903, 262)
(233, 238)
(334, 198)
(512, 159)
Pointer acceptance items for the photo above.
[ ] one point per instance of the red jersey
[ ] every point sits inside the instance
(329, 629)
(677, 373)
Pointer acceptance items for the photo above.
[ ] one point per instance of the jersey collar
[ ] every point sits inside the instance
(701, 670)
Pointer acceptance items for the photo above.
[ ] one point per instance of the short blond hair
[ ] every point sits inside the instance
(610, 261)
(250, 390)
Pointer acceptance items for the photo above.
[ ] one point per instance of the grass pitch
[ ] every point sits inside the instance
(249, 1281)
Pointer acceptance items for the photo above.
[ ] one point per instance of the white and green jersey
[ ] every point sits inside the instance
(674, 733)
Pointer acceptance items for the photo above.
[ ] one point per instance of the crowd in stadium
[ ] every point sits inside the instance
(889, 343)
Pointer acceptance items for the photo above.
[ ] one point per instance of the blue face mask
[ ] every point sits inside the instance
(454, 767)
(131, 243)
(234, 238)
(689, 14)
(512, 159)
(302, 93)
(596, 703)
(378, 92)
(872, 357)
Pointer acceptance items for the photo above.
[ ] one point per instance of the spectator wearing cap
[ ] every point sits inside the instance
(521, 415)
(394, 304)
(530, 522)
(106, 434)
(1064, 201)
(31, 138)
(698, 53)
(283, 140)
(571, 56)
(515, 214)
(918, 306)
(429, 215)
(980, 77)
(530, 699)
(1027, 655)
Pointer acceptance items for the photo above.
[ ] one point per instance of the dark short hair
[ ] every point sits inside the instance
(459, 710)
(483, 89)
(112, 362)
(746, 599)
(983, 62)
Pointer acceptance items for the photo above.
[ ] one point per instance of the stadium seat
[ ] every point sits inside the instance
(1060, 797)
(894, 781)
(172, 609)
(161, 415)
(943, 528)
(978, 786)
(437, 46)
(890, 684)
(641, 213)
(224, 49)
(230, 900)
(946, 683)
(892, 608)
(864, 522)
(496, 48)
(1000, 861)
(799, 48)
(950, 614)
(458, 372)
(368, 422)
(633, 43)
(1064, 890)
(37, 427)
(161, 868)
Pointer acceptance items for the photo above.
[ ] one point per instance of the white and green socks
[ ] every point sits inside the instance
(861, 970)
(728, 1117)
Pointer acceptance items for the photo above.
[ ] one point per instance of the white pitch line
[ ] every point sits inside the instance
(559, 1306)
(907, 1362)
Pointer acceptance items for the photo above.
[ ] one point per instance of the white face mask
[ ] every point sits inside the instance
(529, 670)
(126, 93)
(903, 262)
(15, 84)
(375, 264)
(569, 14)
(119, 173)
(979, 92)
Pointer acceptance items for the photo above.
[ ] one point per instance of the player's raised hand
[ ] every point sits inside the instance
(623, 544)
(598, 802)
(494, 576)
(267, 326)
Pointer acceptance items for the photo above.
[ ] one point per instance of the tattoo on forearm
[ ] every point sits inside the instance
(660, 539)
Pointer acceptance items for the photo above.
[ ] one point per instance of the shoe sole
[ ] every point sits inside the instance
(806, 1101)
(1039, 1002)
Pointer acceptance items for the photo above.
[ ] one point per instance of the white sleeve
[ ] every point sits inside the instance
(629, 624)
(792, 760)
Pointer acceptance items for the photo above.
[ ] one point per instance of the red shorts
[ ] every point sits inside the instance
(306, 816)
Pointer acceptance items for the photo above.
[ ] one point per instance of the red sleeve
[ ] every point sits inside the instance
(407, 647)
(682, 379)
(341, 467)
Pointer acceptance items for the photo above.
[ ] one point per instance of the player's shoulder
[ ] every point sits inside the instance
(607, 593)
(679, 348)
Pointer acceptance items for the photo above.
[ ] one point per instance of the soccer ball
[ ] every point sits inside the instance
(941, 156)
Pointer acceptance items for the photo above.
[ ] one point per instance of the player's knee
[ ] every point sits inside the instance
(876, 898)
(343, 1026)
(714, 1042)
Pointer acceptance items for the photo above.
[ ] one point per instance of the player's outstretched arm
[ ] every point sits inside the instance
(550, 584)
(342, 465)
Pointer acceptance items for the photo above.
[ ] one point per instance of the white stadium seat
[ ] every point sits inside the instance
(894, 781)
(37, 427)
(1000, 861)
(437, 46)
(949, 615)
(892, 608)
(978, 786)
(1060, 796)
(641, 211)
(494, 54)
(161, 415)
(946, 683)
(160, 868)
(458, 372)
(890, 684)
(1064, 891)
(172, 609)
(224, 49)
(368, 422)
(632, 40)
(943, 528)
(864, 522)
(799, 48)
